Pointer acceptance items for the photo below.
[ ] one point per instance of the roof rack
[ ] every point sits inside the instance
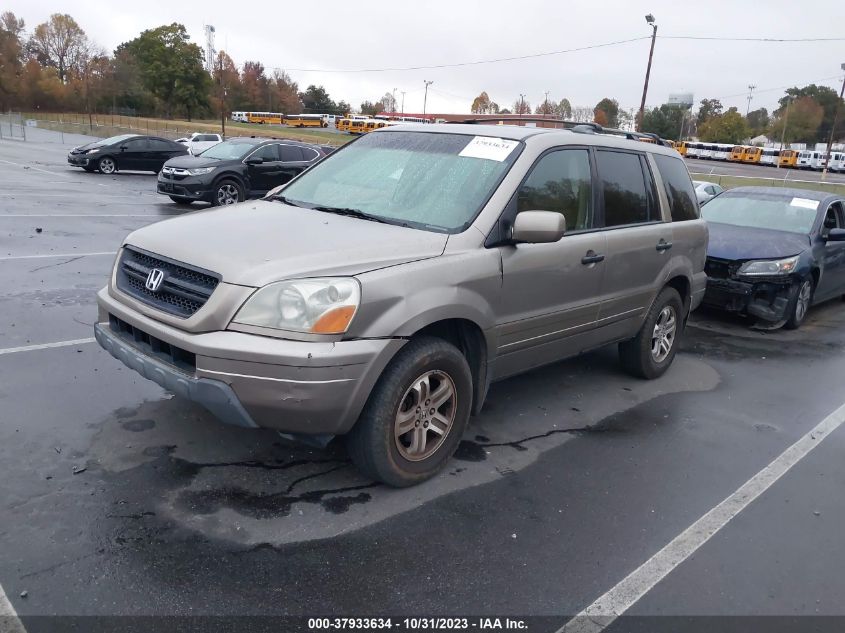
(579, 127)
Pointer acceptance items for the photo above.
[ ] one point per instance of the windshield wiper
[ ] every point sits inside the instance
(352, 213)
(293, 203)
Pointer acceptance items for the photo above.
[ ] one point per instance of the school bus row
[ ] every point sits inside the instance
(277, 118)
(799, 159)
(360, 124)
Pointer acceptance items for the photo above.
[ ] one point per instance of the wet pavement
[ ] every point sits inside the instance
(119, 499)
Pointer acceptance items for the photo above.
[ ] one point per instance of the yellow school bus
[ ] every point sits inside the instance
(752, 154)
(787, 158)
(305, 120)
(357, 126)
(269, 118)
(342, 124)
(737, 153)
(680, 147)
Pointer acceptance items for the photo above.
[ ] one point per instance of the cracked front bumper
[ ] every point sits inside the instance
(765, 300)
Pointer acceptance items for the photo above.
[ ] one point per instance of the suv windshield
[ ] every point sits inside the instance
(228, 150)
(428, 180)
(762, 211)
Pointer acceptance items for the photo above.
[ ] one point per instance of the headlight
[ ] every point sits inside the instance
(318, 306)
(772, 267)
(199, 171)
(93, 151)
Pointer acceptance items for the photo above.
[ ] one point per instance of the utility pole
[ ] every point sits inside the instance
(833, 129)
(546, 105)
(650, 20)
(403, 102)
(521, 104)
(750, 97)
(393, 102)
(785, 123)
(425, 97)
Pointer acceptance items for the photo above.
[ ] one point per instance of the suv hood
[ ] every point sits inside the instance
(190, 162)
(741, 243)
(256, 243)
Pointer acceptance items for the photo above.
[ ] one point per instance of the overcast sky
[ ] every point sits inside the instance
(297, 36)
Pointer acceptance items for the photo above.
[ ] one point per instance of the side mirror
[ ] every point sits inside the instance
(836, 235)
(123, 148)
(538, 227)
(254, 160)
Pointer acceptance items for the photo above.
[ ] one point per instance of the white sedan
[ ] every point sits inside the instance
(705, 190)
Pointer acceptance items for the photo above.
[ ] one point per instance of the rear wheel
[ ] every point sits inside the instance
(106, 165)
(415, 416)
(651, 352)
(227, 192)
(179, 200)
(800, 299)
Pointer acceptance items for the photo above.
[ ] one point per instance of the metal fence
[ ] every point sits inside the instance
(103, 126)
(12, 126)
(729, 182)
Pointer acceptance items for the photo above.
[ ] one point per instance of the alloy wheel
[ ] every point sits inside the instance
(227, 194)
(107, 166)
(803, 302)
(663, 337)
(426, 415)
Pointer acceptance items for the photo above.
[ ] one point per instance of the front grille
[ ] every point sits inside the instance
(176, 356)
(720, 268)
(185, 289)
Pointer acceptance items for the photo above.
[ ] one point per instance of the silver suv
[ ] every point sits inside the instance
(380, 293)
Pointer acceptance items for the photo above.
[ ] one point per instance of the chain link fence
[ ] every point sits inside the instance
(729, 182)
(104, 126)
(12, 126)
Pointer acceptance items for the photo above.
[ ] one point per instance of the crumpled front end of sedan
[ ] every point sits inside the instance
(761, 289)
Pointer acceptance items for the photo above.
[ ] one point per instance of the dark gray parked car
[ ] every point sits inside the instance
(381, 292)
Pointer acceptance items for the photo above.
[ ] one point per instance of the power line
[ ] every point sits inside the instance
(474, 63)
(569, 50)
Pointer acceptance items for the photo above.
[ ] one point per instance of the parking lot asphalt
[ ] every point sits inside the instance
(571, 477)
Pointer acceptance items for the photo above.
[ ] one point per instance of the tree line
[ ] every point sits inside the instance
(56, 67)
(810, 117)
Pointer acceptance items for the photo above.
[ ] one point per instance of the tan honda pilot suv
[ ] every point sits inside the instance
(382, 292)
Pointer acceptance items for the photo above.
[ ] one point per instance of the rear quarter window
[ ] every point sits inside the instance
(679, 189)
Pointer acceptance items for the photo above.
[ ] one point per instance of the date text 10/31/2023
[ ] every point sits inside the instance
(417, 624)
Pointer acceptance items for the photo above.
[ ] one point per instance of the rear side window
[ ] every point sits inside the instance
(560, 182)
(676, 181)
(268, 153)
(624, 189)
(291, 153)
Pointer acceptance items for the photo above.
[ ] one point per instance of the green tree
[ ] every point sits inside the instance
(664, 121)
(369, 108)
(758, 121)
(11, 58)
(564, 108)
(729, 127)
(610, 108)
(171, 68)
(708, 108)
(827, 98)
(316, 99)
(805, 117)
(60, 43)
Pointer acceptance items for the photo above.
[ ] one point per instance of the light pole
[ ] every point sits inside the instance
(393, 102)
(785, 123)
(546, 105)
(403, 102)
(650, 20)
(521, 104)
(750, 91)
(833, 128)
(425, 97)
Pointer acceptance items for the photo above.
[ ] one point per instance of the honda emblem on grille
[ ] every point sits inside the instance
(154, 280)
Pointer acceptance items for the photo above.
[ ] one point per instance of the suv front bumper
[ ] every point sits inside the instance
(248, 380)
(188, 187)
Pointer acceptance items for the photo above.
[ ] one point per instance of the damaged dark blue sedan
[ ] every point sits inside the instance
(774, 252)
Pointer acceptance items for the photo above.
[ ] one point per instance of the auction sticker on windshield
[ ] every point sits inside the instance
(804, 203)
(488, 147)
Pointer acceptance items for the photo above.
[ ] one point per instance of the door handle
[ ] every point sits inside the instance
(663, 245)
(592, 258)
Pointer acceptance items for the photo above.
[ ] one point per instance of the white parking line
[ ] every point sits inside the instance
(601, 613)
(32, 348)
(9, 620)
(58, 255)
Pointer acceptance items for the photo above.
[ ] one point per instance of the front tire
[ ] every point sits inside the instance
(801, 297)
(227, 192)
(106, 165)
(415, 416)
(650, 353)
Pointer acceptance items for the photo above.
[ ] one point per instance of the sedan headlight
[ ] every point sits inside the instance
(318, 306)
(199, 171)
(93, 151)
(769, 267)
